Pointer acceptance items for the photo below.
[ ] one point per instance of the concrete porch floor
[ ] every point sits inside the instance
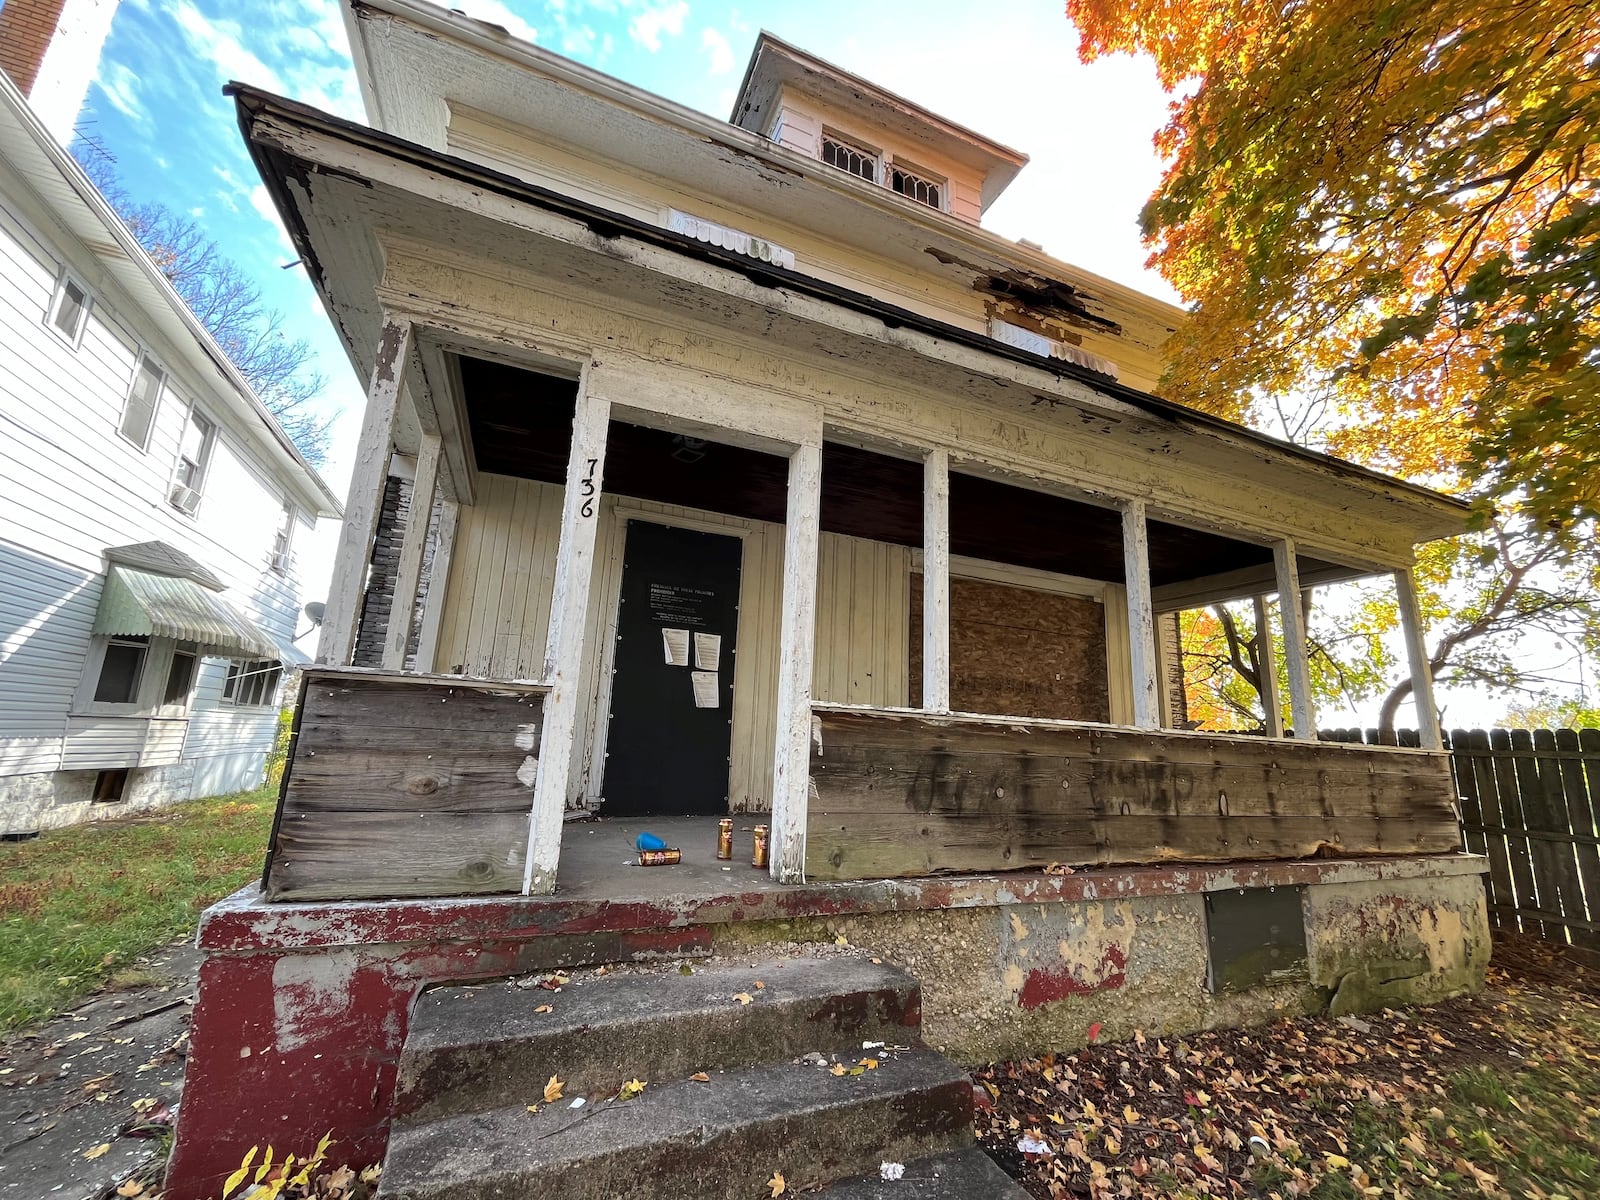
(599, 862)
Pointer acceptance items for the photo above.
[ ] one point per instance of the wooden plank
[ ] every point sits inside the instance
(1141, 617)
(797, 637)
(1467, 789)
(1405, 586)
(903, 794)
(1475, 744)
(438, 586)
(370, 855)
(564, 646)
(360, 523)
(936, 581)
(1302, 711)
(408, 571)
(440, 707)
(1581, 779)
(1558, 854)
(1271, 705)
(1512, 816)
(385, 779)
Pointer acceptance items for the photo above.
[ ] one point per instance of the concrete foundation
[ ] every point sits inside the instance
(303, 1008)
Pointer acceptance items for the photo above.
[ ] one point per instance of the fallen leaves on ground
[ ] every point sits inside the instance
(552, 1090)
(743, 997)
(631, 1089)
(700, 1077)
(1491, 1095)
(97, 1151)
(777, 1184)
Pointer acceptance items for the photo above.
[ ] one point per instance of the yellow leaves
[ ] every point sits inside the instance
(634, 1087)
(778, 1186)
(743, 997)
(545, 1008)
(1130, 1114)
(97, 1151)
(837, 1069)
(131, 1187)
(700, 1077)
(552, 1090)
(533, 1108)
(1337, 1162)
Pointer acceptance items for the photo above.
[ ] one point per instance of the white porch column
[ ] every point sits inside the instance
(563, 657)
(438, 584)
(1405, 586)
(1270, 704)
(408, 572)
(1301, 709)
(936, 581)
(1141, 617)
(338, 641)
(791, 774)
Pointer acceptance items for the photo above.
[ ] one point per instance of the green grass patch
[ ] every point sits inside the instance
(78, 906)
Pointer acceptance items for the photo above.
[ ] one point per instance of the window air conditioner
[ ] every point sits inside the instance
(185, 499)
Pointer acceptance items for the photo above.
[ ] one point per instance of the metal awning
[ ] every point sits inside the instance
(139, 603)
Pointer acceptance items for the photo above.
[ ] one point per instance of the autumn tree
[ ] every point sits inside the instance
(1386, 216)
(230, 305)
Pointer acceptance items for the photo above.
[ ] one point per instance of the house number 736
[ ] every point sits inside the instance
(587, 488)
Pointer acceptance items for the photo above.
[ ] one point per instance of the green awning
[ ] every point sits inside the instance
(139, 603)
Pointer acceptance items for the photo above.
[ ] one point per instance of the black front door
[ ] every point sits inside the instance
(672, 691)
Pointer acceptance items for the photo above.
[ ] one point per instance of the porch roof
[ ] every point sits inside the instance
(336, 183)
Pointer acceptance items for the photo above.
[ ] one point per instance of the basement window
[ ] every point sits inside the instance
(847, 156)
(69, 309)
(111, 787)
(914, 185)
(1256, 938)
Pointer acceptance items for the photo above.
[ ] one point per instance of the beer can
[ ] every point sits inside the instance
(659, 858)
(725, 838)
(759, 858)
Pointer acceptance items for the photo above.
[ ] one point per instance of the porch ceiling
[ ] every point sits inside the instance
(521, 425)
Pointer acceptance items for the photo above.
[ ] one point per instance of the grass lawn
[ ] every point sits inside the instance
(78, 906)
(1493, 1095)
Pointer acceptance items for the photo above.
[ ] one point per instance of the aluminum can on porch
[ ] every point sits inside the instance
(660, 858)
(759, 858)
(725, 838)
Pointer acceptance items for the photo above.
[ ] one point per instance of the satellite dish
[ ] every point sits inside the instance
(315, 611)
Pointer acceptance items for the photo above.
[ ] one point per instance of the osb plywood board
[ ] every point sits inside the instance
(1018, 651)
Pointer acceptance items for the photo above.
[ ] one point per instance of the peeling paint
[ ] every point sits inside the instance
(528, 772)
(527, 737)
(307, 989)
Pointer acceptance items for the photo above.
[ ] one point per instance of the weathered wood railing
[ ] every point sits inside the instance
(404, 785)
(900, 793)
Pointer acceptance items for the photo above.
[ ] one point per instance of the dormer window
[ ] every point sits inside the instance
(917, 185)
(848, 156)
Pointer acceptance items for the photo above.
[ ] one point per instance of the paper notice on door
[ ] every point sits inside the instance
(705, 689)
(707, 651)
(675, 643)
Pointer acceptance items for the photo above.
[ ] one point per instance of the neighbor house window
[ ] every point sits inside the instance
(917, 186)
(180, 678)
(110, 786)
(282, 539)
(847, 156)
(140, 412)
(69, 309)
(120, 671)
(252, 684)
(194, 456)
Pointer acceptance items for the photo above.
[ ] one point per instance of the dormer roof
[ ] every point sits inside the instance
(776, 65)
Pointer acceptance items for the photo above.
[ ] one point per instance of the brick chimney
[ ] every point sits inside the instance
(51, 49)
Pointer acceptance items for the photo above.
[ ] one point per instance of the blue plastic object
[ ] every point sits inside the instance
(649, 841)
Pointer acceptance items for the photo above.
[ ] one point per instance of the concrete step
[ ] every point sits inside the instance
(954, 1175)
(474, 1048)
(682, 1140)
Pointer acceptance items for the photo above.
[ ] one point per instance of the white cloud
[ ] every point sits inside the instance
(261, 201)
(721, 52)
(121, 87)
(496, 13)
(216, 43)
(649, 25)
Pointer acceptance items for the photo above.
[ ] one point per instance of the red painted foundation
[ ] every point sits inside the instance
(303, 1008)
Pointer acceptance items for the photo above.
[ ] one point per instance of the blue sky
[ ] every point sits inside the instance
(157, 107)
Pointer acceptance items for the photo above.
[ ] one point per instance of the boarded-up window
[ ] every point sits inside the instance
(1019, 652)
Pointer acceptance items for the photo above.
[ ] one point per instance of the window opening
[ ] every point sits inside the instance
(69, 309)
(139, 413)
(837, 152)
(916, 187)
(282, 539)
(180, 678)
(110, 787)
(252, 684)
(120, 671)
(194, 456)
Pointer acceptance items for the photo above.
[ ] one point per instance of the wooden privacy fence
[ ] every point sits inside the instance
(1530, 802)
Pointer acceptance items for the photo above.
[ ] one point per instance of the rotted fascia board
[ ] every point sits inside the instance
(271, 126)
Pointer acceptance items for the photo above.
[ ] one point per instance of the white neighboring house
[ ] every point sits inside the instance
(150, 511)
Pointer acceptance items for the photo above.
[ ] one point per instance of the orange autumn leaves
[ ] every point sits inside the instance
(1391, 206)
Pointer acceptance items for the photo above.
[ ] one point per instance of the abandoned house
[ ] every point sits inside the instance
(747, 475)
(151, 508)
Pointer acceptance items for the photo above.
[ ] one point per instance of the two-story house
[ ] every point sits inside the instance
(150, 513)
